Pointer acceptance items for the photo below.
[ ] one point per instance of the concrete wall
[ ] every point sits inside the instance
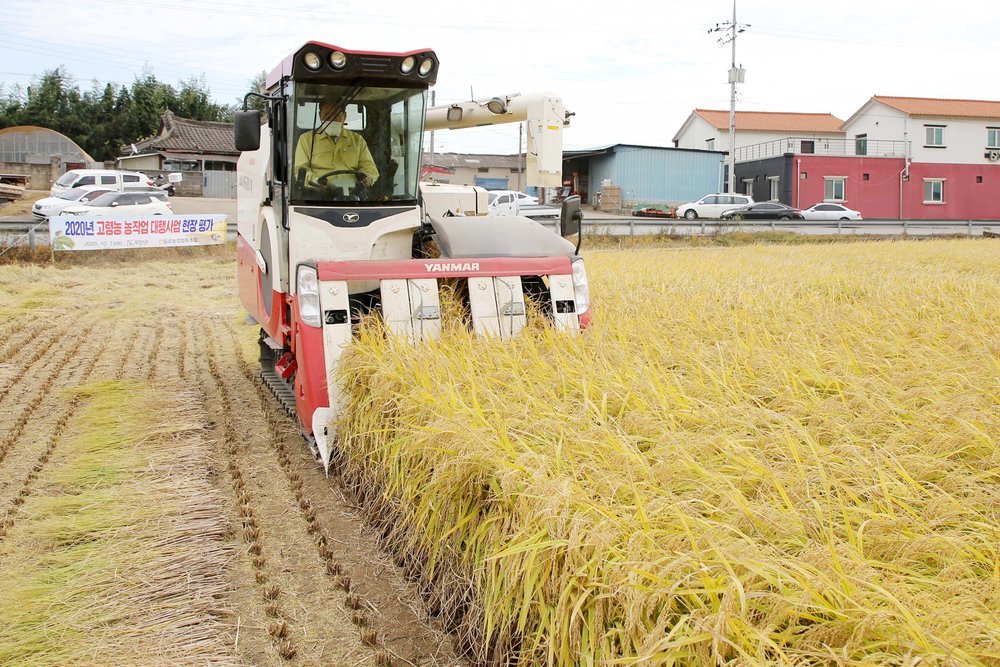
(144, 163)
(876, 197)
(468, 176)
(42, 175)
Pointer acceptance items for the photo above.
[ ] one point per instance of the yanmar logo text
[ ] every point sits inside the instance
(438, 267)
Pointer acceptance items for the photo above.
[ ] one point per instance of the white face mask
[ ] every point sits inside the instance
(333, 128)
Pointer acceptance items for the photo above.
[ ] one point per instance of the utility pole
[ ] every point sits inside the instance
(520, 158)
(736, 75)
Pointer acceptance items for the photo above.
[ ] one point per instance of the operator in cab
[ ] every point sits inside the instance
(332, 153)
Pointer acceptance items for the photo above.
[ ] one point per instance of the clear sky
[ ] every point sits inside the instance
(631, 70)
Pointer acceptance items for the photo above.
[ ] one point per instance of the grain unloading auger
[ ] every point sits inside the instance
(319, 246)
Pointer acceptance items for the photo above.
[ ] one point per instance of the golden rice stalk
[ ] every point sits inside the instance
(756, 455)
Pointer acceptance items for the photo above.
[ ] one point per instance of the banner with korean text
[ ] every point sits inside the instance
(112, 233)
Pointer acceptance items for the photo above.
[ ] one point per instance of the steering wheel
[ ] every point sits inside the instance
(359, 181)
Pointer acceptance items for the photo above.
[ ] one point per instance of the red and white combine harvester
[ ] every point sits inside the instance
(316, 251)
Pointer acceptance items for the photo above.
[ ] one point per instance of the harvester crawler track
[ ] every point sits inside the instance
(282, 391)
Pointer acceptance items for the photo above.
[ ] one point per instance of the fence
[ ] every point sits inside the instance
(637, 227)
(33, 233)
(819, 146)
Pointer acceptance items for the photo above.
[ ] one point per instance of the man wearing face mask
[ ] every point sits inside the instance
(332, 147)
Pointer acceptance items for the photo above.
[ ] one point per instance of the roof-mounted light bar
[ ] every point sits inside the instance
(321, 60)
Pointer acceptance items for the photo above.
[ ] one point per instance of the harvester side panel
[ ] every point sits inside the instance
(272, 316)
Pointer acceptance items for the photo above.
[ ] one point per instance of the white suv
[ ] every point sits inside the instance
(104, 179)
(712, 206)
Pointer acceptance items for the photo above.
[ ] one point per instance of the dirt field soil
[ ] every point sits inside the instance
(156, 506)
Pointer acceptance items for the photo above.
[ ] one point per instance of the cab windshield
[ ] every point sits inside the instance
(355, 143)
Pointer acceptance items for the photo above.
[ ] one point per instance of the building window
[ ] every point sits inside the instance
(861, 144)
(834, 188)
(748, 186)
(979, 179)
(933, 190)
(865, 176)
(808, 147)
(217, 165)
(483, 170)
(935, 136)
(710, 144)
(180, 165)
(775, 192)
(993, 137)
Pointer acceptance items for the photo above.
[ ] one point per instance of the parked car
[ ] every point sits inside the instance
(768, 210)
(712, 206)
(130, 204)
(829, 211)
(510, 202)
(106, 179)
(147, 188)
(521, 197)
(50, 206)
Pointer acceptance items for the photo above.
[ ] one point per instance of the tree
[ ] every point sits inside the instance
(107, 117)
(256, 85)
(194, 101)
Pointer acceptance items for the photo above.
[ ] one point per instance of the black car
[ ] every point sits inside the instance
(768, 210)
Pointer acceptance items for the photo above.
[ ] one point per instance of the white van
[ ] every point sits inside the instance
(92, 179)
(713, 206)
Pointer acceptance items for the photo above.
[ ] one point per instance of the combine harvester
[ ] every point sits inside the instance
(318, 251)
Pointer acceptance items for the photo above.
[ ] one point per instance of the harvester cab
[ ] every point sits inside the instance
(333, 221)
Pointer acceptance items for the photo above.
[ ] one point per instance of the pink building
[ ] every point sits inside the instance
(895, 158)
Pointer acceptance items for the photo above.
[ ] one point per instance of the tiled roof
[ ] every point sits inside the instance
(193, 136)
(773, 121)
(924, 106)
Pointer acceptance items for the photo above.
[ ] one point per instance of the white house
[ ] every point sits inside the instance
(938, 130)
(708, 129)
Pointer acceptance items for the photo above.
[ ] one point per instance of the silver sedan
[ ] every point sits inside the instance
(830, 211)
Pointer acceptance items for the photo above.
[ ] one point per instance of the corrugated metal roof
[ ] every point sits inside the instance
(599, 150)
(195, 136)
(472, 160)
(773, 121)
(925, 106)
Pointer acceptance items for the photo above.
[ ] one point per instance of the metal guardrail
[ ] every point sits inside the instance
(37, 233)
(673, 226)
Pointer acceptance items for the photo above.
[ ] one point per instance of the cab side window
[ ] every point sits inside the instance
(84, 180)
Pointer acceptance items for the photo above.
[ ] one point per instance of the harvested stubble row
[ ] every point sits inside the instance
(758, 455)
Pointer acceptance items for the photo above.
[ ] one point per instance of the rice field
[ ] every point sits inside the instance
(757, 455)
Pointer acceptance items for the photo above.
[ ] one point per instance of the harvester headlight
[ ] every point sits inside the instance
(409, 62)
(426, 65)
(497, 105)
(338, 60)
(581, 286)
(312, 60)
(307, 291)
